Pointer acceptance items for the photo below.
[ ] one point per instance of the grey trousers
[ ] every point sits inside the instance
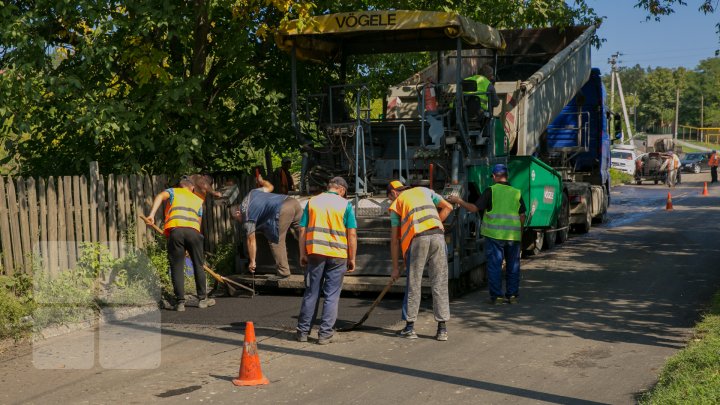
(290, 214)
(430, 251)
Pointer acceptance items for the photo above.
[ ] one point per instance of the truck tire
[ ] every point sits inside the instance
(638, 182)
(656, 181)
(536, 242)
(587, 224)
(563, 222)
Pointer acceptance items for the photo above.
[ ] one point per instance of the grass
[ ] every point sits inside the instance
(617, 177)
(692, 376)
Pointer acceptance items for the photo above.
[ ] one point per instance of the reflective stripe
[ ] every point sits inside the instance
(326, 243)
(418, 222)
(326, 230)
(414, 210)
(174, 217)
(500, 216)
(173, 209)
(504, 227)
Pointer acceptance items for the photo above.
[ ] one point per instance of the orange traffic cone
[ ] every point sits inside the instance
(250, 372)
(668, 205)
(705, 192)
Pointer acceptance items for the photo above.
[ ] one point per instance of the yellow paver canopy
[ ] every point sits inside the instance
(331, 36)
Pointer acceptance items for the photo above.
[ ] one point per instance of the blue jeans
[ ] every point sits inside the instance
(326, 274)
(495, 252)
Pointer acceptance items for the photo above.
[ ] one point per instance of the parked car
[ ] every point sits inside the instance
(623, 160)
(695, 162)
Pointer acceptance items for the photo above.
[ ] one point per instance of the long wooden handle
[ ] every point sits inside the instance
(217, 277)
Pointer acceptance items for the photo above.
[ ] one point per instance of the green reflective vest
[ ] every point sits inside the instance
(503, 221)
(482, 87)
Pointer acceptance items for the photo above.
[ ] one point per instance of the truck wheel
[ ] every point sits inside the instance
(585, 226)
(563, 222)
(603, 217)
(638, 182)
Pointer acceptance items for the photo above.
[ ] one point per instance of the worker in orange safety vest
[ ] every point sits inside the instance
(183, 216)
(416, 218)
(713, 163)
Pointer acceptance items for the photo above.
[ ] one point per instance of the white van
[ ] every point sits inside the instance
(622, 158)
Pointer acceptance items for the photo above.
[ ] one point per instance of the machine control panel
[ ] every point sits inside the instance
(452, 190)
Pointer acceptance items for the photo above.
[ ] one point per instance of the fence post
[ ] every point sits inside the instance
(94, 176)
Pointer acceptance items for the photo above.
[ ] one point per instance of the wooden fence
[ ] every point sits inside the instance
(48, 219)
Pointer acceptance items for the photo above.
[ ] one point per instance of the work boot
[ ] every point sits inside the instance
(180, 307)
(513, 299)
(496, 300)
(324, 340)
(301, 336)
(206, 302)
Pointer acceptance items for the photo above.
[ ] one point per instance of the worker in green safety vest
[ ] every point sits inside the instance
(503, 212)
(482, 88)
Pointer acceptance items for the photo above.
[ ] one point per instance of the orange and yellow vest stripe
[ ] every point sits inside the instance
(184, 212)
(417, 214)
(326, 234)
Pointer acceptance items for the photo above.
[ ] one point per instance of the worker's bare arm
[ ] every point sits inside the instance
(301, 242)
(457, 200)
(444, 209)
(352, 248)
(252, 251)
(395, 251)
(159, 199)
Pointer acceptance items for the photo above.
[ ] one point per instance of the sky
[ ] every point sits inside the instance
(680, 39)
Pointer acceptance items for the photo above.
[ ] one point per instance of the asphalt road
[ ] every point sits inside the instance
(598, 316)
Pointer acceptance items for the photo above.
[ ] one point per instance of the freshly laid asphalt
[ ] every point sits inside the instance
(597, 318)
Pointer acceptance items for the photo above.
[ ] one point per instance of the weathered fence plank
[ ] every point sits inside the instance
(52, 237)
(69, 222)
(123, 200)
(77, 210)
(102, 211)
(147, 184)
(42, 196)
(85, 210)
(136, 189)
(24, 223)
(62, 247)
(15, 226)
(112, 217)
(32, 195)
(94, 177)
(8, 263)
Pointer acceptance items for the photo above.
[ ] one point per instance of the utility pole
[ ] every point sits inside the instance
(613, 61)
(702, 115)
(624, 109)
(677, 110)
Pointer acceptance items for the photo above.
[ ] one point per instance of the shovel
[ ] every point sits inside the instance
(367, 314)
(229, 284)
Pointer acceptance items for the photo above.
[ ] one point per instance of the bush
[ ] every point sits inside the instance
(617, 177)
(12, 313)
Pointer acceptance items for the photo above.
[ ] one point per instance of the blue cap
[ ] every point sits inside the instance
(499, 168)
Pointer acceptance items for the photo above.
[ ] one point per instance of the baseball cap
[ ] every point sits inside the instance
(396, 185)
(499, 168)
(338, 181)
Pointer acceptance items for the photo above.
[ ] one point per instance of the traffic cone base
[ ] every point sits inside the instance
(250, 371)
(705, 192)
(668, 204)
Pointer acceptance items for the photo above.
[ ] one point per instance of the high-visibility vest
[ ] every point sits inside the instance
(714, 160)
(184, 211)
(502, 222)
(675, 162)
(417, 214)
(482, 87)
(326, 234)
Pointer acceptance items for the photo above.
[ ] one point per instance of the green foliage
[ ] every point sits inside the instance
(15, 305)
(617, 177)
(223, 261)
(692, 376)
(170, 87)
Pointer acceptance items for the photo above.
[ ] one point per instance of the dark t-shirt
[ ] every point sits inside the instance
(484, 203)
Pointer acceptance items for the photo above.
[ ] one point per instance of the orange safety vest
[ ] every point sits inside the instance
(184, 212)
(714, 160)
(675, 162)
(417, 214)
(326, 234)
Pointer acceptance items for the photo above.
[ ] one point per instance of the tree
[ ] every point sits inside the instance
(171, 87)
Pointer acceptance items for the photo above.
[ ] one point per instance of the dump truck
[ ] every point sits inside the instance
(549, 128)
